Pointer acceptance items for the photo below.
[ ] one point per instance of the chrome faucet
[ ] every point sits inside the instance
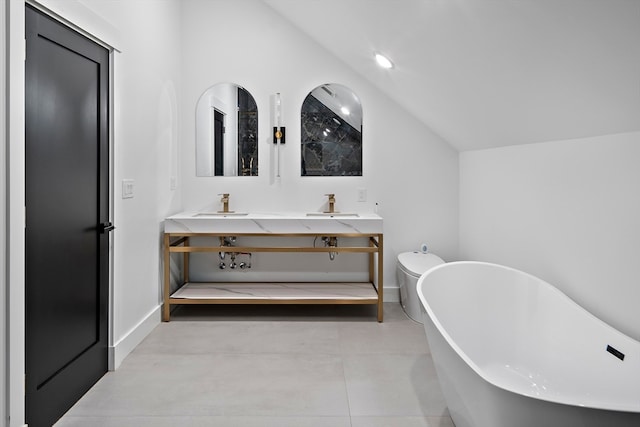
(225, 202)
(332, 202)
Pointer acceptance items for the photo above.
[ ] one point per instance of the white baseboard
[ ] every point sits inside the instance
(126, 344)
(391, 294)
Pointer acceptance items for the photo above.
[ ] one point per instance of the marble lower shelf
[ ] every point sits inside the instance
(276, 292)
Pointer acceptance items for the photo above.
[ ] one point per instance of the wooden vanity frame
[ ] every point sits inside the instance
(180, 243)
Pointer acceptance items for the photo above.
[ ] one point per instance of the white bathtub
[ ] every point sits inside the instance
(513, 351)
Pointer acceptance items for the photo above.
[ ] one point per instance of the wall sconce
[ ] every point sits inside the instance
(279, 134)
(278, 130)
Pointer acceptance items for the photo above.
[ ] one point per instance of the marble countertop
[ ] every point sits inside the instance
(273, 223)
(278, 291)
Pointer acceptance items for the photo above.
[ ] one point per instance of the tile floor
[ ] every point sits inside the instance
(272, 366)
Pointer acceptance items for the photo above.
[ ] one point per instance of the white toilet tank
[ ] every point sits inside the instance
(410, 267)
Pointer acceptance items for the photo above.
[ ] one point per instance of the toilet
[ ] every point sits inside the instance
(410, 267)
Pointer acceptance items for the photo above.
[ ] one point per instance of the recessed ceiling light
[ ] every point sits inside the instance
(345, 111)
(383, 61)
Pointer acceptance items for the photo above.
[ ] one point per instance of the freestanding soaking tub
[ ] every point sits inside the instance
(510, 350)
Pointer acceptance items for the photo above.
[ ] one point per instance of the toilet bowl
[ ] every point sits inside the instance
(410, 267)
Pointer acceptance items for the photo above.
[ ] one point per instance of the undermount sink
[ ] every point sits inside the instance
(334, 214)
(221, 214)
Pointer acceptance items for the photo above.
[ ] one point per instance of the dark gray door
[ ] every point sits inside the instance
(67, 214)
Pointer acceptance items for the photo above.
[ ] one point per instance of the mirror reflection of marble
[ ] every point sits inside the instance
(331, 132)
(226, 132)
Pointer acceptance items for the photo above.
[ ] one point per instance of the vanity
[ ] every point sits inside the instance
(312, 232)
(213, 244)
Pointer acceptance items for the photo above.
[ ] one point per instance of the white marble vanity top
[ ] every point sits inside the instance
(273, 223)
(279, 291)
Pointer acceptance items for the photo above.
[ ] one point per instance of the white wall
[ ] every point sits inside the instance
(15, 213)
(3, 277)
(146, 35)
(565, 211)
(410, 172)
(162, 65)
(147, 80)
(147, 91)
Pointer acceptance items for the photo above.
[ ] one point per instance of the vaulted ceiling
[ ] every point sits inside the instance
(489, 73)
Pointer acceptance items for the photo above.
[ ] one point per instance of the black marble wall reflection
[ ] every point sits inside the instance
(247, 134)
(330, 146)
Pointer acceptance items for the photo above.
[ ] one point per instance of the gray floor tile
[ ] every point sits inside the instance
(400, 337)
(273, 366)
(216, 421)
(401, 422)
(242, 337)
(393, 312)
(224, 384)
(393, 385)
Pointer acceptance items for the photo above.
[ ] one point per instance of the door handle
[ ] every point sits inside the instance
(105, 227)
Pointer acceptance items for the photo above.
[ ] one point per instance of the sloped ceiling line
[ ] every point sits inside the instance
(490, 73)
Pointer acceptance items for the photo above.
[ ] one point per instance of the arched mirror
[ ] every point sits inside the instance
(331, 131)
(226, 132)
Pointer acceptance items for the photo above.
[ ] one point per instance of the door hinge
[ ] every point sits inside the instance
(24, 50)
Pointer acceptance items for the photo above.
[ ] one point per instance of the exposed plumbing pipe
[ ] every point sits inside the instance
(232, 264)
(331, 242)
(229, 241)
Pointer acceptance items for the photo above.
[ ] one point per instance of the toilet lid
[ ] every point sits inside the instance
(418, 262)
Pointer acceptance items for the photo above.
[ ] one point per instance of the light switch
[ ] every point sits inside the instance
(127, 188)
